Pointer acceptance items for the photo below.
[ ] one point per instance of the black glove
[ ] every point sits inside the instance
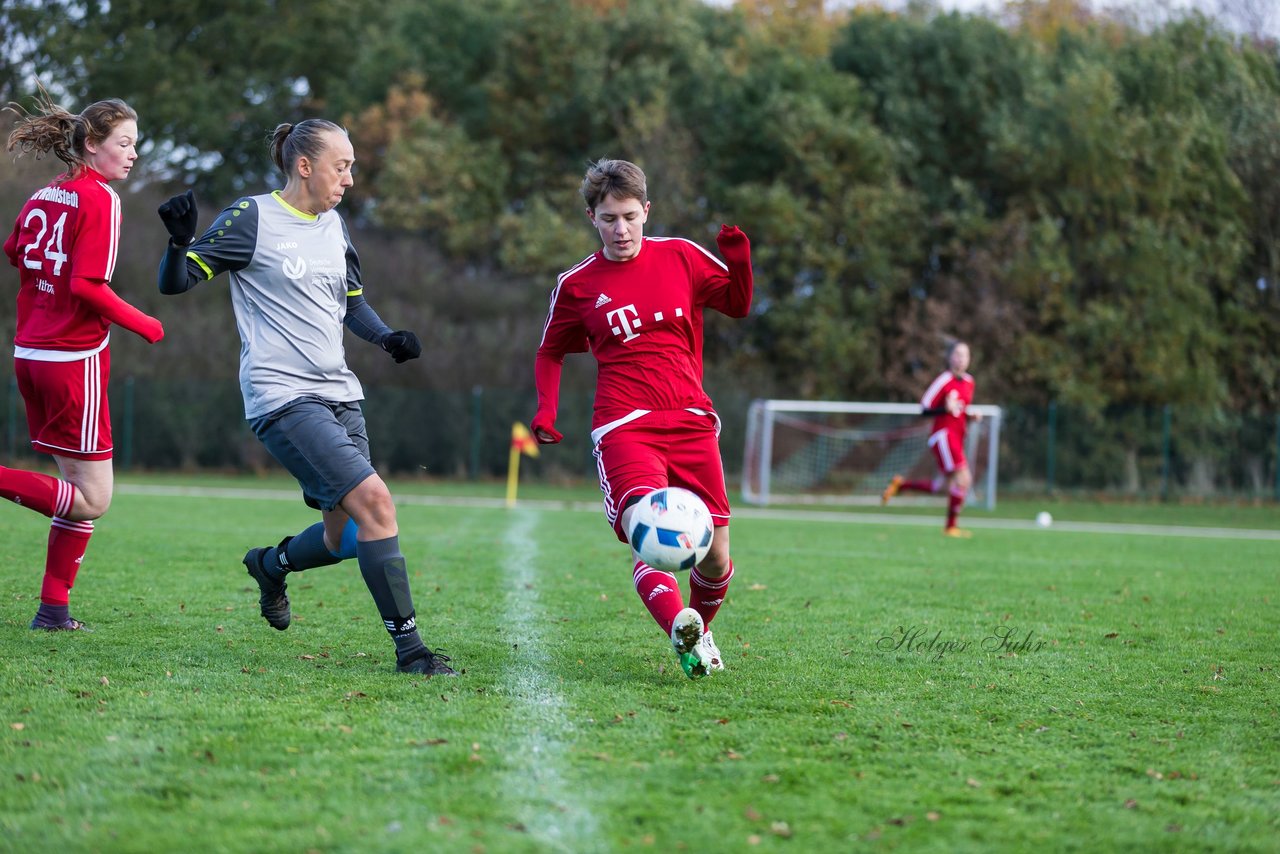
(180, 217)
(402, 346)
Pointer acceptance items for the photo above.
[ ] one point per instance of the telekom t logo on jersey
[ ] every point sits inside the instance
(626, 320)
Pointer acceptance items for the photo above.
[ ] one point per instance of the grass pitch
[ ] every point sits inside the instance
(885, 688)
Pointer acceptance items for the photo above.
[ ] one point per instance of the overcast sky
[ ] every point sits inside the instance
(1250, 15)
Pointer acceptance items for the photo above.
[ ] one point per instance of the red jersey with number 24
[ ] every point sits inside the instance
(68, 229)
(642, 319)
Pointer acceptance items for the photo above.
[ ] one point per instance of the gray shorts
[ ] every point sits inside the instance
(322, 443)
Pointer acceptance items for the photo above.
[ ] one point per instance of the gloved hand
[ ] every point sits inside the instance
(180, 217)
(542, 430)
(402, 346)
(734, 246)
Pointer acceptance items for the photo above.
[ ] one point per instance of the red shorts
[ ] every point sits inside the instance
(67, 410)
(664, 448)
(948, 450)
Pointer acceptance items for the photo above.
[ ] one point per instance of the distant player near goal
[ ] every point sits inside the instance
(947, 399)
(637, 305)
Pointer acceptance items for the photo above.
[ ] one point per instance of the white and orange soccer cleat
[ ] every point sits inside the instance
(959, 533)
(891, 490)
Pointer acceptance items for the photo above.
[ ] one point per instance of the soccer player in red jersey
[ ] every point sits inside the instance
(637, 304)
(65, 244)
(947, 399)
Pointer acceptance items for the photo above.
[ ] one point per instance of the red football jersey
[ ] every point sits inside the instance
(642, 319)
(940, 392)
(68, 229)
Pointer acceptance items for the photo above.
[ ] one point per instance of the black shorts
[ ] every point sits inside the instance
(322, 443)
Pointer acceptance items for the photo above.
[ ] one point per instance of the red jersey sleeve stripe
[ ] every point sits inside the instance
(695, 245)
(555, 294)
(113, 248)
(932, 391)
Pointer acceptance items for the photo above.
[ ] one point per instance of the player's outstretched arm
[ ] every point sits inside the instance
(364, 321)
(99, 296)
(735, 248)
(546, 377)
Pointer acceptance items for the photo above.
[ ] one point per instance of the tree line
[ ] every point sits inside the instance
(1092, 205)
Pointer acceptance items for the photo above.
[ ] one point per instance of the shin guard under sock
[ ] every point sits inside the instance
(660, 593)
(954, 502)
(304, 551)
(383, 568)
(928, 486)
(67, 543)
(46, 495)
(705, 595)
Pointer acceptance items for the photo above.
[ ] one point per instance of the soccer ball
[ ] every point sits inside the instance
(671, 529)
(1043, 519)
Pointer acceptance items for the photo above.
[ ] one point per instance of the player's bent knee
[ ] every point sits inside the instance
(88, 507)
(716, 563)
(714, 566)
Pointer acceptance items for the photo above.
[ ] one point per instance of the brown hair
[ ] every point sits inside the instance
(951, 348)
(51, 128)
(619, 178)
(305, 139)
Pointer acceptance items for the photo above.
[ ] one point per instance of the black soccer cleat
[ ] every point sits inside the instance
(272, 601)
(427, 663)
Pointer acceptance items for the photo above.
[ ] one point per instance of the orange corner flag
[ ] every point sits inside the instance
(522, 440)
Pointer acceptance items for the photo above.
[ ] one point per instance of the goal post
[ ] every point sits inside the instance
(812, 451)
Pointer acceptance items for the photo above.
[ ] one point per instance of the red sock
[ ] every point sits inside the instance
(706, 595)
(67, 542)
(42, 493)
(918, 486)
(660, 593)
(954, 502)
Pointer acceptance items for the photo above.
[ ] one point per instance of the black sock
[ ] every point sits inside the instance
(52, 615)
(382, 566)
(294, 554)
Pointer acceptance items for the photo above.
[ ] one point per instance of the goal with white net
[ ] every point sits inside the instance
(805, 451)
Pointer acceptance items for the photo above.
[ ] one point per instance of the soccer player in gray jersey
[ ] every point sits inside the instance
(295, 282)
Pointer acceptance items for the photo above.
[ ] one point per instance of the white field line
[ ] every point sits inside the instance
(934, 520)
(554, 814)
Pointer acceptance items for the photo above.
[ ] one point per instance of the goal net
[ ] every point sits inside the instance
(802, 451)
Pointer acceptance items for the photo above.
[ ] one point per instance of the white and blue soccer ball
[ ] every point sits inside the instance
(670, 529)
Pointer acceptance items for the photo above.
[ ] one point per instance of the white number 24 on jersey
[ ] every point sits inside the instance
(52, 249)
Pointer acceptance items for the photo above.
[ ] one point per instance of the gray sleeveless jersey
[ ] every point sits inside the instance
(291, 274)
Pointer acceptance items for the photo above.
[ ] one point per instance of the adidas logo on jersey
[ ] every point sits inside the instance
(602, 300)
